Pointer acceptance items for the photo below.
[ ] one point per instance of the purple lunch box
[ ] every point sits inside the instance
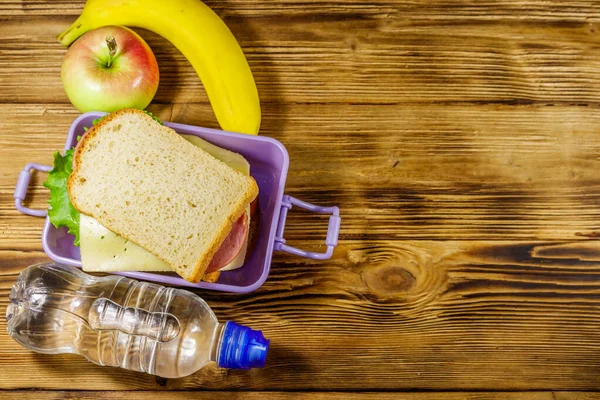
(269, 163)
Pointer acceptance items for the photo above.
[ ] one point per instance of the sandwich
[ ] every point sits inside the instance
(141, 197)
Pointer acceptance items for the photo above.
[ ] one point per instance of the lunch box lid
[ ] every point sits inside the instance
(269, 162)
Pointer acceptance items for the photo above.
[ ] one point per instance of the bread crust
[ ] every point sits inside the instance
(194, 274)
(203, 263)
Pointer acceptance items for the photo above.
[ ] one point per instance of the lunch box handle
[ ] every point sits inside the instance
(23, 185)
(333, 229)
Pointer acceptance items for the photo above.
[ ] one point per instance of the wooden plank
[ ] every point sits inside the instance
(420, 315)
(417, 172)
(355, 55)
(547, 10)
(171, 395)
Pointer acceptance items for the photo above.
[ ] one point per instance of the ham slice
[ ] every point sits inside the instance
(232, 244)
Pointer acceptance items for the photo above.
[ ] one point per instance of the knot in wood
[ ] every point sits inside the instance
(388, 280)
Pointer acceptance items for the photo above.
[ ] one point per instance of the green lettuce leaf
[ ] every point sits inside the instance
(62, 212)
(94, 122)
(154, 117)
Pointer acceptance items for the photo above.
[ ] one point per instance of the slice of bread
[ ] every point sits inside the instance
(144, 182)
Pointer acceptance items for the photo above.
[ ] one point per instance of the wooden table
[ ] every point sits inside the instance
(461, 141)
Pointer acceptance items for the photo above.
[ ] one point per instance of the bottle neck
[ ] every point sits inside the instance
(216, 342)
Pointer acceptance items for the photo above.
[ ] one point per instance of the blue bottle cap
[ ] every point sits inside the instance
(242, 347)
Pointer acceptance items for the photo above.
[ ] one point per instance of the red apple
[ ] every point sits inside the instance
(110, 68)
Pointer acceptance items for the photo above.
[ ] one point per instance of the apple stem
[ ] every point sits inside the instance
(111, 43)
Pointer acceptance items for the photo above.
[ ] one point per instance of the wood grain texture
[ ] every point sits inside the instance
(460, 140)
(417, 172)
(353, 53)
(407, 315)
(439, 9)
(185, 395)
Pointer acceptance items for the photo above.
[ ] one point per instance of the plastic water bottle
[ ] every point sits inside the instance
(121, 322)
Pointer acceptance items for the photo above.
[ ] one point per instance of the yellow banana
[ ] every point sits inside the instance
(204, 40)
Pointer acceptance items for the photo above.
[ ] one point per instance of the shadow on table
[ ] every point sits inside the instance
(284, 358)
(76, 372)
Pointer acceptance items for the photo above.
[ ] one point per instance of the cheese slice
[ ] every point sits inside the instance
(234, 160)
(104, 251)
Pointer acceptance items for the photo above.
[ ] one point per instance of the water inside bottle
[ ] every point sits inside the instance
(114, 321)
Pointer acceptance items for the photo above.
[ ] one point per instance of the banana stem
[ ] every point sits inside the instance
(71, 33)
